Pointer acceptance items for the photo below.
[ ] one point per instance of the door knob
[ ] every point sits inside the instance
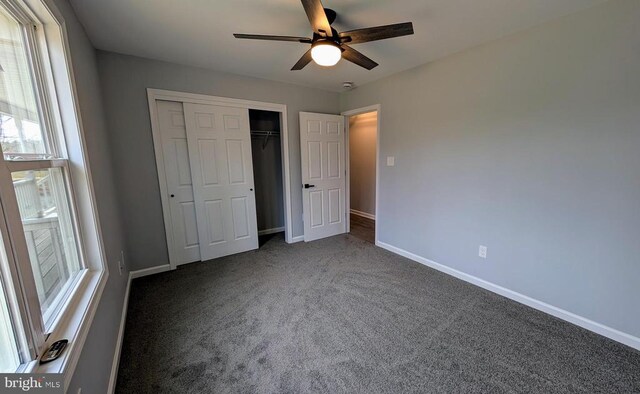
(308, 186)
(251, 189)
(173, 195)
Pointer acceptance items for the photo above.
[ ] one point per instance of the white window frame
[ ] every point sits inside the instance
(50, 57)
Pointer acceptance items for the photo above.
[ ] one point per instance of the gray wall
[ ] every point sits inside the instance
(94, 366)
(124, 82)
(362, 162)
(267, 170)
(529, 145)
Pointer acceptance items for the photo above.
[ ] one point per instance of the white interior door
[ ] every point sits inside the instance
(183, 227)
(219, 144)
(322, 148)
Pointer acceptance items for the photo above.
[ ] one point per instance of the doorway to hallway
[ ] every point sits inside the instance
(362, 146)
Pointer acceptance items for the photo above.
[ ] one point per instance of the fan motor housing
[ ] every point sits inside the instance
(331, 15)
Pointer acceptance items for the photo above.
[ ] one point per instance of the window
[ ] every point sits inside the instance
(44, 275)
(49, 234)
(20, 125)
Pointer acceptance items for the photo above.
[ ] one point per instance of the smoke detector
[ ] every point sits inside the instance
(347, 85)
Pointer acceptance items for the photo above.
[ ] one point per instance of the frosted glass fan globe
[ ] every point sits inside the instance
(326, 54)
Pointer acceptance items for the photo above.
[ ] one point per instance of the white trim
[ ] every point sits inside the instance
(83, 307)
(150, 271)
(168, 95)
(363, 110)
(299, 238)
(371, 108)
(583, 322)
(284, 139)
(113, 377)
(86, 308)
(363, 214)
(158, 94)
(347, 173)
(271, 231)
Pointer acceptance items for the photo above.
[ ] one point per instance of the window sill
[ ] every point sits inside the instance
(74, 326)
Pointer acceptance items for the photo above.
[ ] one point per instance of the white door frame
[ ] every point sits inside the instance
(347, 114)
(158, 94)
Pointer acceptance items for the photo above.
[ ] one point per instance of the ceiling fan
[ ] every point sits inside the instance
(327, 45)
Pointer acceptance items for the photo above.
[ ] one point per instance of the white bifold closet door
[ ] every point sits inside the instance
(219, 145)
(322, 146)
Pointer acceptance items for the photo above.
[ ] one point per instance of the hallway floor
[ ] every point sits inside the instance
(363, 228)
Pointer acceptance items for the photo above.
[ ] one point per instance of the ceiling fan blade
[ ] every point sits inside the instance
(304, 60)
(358, 58)
(317, 17)
(376, 33)
(273, 38)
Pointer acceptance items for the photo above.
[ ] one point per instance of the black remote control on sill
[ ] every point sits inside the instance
(54, 351)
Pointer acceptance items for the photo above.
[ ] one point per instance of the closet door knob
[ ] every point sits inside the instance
(173, 195)
(251, 189)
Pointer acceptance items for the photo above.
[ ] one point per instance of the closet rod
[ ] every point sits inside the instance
(266, 135)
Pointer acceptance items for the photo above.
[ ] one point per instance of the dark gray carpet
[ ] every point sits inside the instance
(340, 315)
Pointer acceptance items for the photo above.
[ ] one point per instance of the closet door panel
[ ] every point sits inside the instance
(191, 225)
(219, 145)
(183, 228)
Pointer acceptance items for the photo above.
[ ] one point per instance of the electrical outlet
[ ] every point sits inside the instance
(482, 251)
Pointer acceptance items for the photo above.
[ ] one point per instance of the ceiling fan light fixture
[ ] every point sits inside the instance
(327, 45)
(326, 53)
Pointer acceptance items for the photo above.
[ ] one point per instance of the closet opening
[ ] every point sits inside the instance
(266, 151)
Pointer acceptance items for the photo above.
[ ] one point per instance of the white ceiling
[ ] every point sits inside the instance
(199, 32)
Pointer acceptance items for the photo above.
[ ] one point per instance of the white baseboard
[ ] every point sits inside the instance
(116, 357)
(583, 322)
(123, 319)
(363, 214)
(299, 238)
(271, 231)
(149, 271)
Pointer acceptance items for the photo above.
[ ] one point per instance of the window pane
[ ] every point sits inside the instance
(20, 125)
(50, 235)
(9, 358)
